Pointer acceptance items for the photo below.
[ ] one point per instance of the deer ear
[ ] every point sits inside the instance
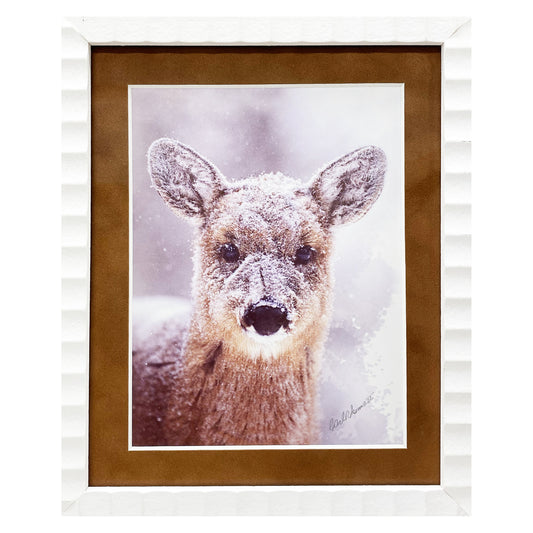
(186, 182)
(347, 188)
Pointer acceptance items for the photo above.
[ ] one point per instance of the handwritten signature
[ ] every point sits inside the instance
(335, 423)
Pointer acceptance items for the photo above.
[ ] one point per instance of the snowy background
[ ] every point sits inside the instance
(296, 130)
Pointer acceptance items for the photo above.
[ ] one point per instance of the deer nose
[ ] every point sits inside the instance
(266, 319)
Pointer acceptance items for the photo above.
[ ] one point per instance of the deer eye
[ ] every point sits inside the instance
(304, 255)
(229, 252)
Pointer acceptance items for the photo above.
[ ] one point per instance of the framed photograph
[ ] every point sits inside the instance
(278, 266)
(265, 294)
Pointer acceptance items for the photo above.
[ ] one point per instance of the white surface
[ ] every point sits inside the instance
(453, 496)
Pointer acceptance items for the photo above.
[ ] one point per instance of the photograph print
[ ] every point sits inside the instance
(267, 266)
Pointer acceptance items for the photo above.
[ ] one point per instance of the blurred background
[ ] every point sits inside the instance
(247, 130)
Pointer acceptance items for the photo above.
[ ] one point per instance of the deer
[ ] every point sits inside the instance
(244, 370)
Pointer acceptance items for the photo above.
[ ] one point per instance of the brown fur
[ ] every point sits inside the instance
(217, 384)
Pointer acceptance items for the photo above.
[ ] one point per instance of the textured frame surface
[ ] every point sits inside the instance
(452, 496)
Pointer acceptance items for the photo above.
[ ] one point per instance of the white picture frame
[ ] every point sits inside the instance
(453, 495)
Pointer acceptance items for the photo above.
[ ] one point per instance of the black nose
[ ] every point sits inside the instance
(266, 319)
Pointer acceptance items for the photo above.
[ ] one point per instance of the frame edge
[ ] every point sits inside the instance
(75, 255)
(453, 496)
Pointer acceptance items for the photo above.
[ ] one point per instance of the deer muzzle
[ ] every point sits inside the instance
(266, 318)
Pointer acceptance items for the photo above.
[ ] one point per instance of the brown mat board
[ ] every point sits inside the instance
(113, 69)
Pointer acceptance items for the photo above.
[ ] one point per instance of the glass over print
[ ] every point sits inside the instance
(267, 266)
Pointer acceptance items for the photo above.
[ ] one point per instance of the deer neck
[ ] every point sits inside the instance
(226, 396)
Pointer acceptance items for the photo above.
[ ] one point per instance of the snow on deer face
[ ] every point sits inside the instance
(262, 275)
(264, 261)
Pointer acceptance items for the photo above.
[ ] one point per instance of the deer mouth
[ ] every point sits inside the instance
(265, 319)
